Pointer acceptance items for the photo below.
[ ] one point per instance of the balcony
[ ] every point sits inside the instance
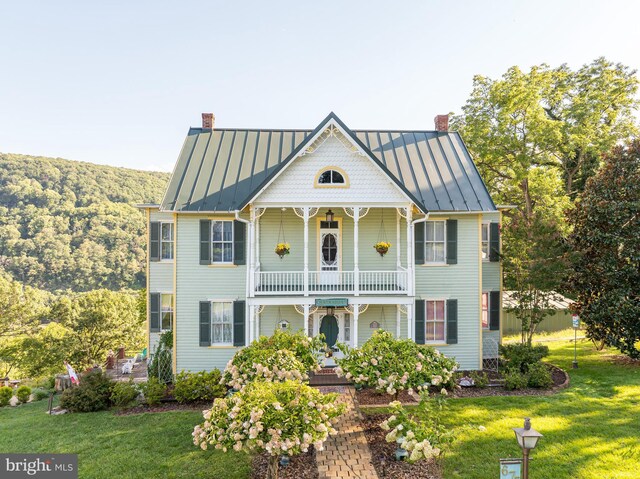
(267, 283)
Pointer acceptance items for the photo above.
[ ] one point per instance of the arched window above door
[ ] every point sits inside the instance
(332, 177)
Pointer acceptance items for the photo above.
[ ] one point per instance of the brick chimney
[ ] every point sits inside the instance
(442, 122)
(208, 121)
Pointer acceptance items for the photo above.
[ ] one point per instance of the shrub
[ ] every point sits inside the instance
(153, 391)
(23, 393)
(480, 379)
(39, 394)
(124, 393)
(539, 376)
(280, 357)
(273, 417)
(422, 433)
(391, 365)
(6, 393)
(92, 394)
(202, 386)
(161, 363)
(514, 379)
(521, 356)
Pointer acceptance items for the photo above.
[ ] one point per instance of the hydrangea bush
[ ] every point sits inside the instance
(418, 432)
(391, 365)
(283, 356)
(280, 418)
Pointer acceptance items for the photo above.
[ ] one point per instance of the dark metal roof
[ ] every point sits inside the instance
(222, 169)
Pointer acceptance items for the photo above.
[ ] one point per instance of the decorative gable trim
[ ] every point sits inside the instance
(331, 126)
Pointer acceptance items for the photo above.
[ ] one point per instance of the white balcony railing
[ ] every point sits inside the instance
(330, 282)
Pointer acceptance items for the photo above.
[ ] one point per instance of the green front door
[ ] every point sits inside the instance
(329, 327)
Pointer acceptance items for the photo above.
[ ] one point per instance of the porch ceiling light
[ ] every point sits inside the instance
(330, 309)
(329, 215)
(526, 436)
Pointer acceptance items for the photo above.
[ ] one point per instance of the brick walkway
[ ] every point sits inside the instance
(346, 455)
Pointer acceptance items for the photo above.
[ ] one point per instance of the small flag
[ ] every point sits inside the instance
(72, 373)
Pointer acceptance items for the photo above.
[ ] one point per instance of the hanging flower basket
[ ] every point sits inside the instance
(382, 247)
(283, 249)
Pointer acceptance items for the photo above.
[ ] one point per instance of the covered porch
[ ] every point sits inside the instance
(331, 250)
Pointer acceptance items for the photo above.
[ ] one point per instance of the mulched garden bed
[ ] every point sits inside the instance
(623, 360)
(384, 459)
(371, 397)
(301, 466)
(163, 407)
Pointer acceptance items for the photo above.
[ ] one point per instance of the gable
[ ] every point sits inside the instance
(365, 182)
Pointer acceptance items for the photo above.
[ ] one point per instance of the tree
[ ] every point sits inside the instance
(536, 137)
(606, 239)
(101, 320)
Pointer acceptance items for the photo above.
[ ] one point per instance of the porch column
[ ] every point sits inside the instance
(397, 321)
(409, 251)
(257, 241)
(305, 280)
(356, 268)
(252, 254)
(354, 333)
(306, 320)
(410, 321)
(251, 328)
(398, 257)
(256, 334)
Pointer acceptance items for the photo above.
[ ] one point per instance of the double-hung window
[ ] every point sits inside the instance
(222, 323)
(485, 241)
(435, 321)
(166, 240)
(222, 242)
(166, 312)
(435, 242)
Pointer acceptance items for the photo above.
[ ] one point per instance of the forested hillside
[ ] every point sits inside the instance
(73, 225)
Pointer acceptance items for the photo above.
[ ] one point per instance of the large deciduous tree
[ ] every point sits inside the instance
(606, 239)
(101, 320)
(537, 136)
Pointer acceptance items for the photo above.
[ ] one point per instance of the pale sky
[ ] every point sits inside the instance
(120, 82)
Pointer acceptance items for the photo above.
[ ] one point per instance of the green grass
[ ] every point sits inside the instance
(138, 446)
(591, 430)
(544, 336)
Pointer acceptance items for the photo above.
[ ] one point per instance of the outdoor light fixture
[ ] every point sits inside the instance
(527, 440)
(330, 310)
(329, 216)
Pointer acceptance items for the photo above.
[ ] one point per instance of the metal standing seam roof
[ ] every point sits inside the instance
(557, 302)
(220, 170)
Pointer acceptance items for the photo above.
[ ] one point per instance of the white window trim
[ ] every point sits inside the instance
(485, 328)
(211, 342)
(486, 223)
(426, 321)
(223, 242)
(164, 293)
(436, 263)
(173, 242)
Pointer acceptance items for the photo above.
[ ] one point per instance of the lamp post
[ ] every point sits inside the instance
(575, 320)
(527, 440)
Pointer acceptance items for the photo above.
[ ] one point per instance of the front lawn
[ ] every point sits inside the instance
(138, 446)
(591, 430)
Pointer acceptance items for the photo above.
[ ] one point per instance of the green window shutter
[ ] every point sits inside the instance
(238, 323)
(494, 310)
(205, 323)
(452, 321)
(419, 244)
(419, 314)
(154, 312)
(154, 241)
(494, 242)
(239, 242)
(205, 241)
(452, 241)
